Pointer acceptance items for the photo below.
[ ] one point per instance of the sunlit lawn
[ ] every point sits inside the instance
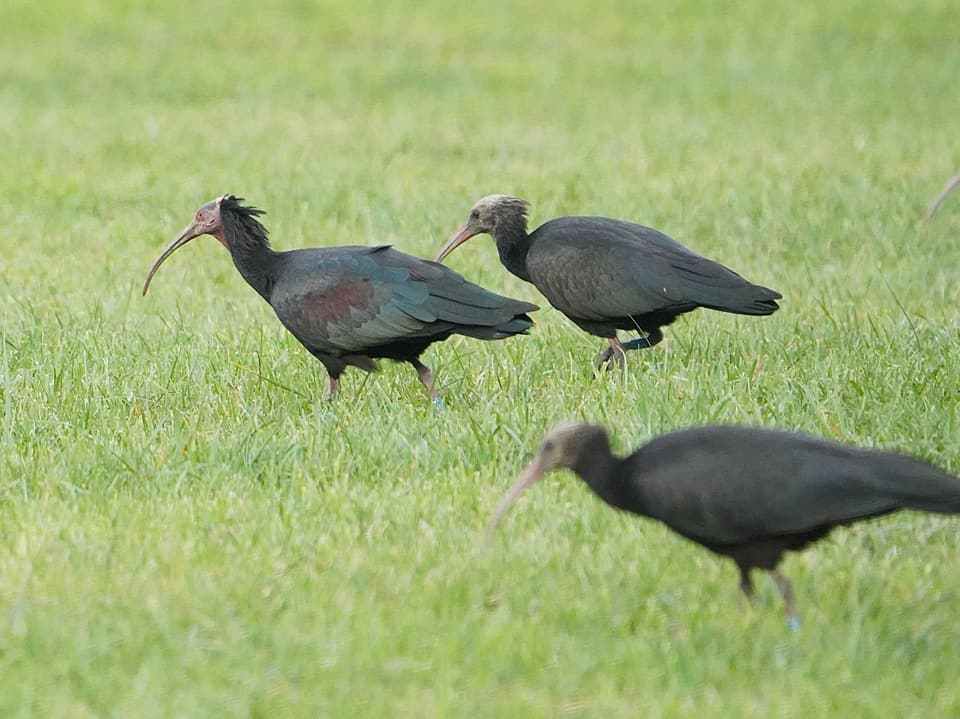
(188, 529)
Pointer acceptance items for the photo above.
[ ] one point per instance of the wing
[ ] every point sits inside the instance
(451, 297)
(353, 299)
(732, 485)
(342, 301)
(597, 268)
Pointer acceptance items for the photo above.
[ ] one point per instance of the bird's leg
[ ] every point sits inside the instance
(786, 591)
(334, 387)
(653, 337)
(613, 356)
(426, 378)
(746, 583)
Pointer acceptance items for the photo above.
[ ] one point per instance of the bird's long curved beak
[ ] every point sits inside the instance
(189, 232)
(950, 187)
(530, 475)
(463, 234)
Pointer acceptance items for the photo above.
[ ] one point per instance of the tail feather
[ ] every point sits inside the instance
(750, 300)
(519, 325)
(710, 284)
(921, 486)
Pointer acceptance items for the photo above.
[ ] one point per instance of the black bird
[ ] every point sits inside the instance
(748, 494)
(608, 275)
(351, 305)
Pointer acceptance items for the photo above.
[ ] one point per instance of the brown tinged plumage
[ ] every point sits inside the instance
(745, 493)
(607, 275)
(352, 305)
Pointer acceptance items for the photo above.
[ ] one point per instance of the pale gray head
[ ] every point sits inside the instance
(563, 446)
(496, 215)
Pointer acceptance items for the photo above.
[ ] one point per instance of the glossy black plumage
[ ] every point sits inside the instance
(748, 494)
(352, 305)
(608, 275)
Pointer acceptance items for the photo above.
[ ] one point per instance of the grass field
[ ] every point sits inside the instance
(188, 530)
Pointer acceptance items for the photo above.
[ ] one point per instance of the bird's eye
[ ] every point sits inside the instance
(475, 214)
(548, 446)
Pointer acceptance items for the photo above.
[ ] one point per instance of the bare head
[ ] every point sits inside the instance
(563, 447)
(489, 215)
(208, 220)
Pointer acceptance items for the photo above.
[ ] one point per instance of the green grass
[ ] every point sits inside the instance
(187, 529)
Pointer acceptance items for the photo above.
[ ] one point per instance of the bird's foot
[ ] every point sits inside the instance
(652, 339)
(793, 622)
(614, 357)
(641, 343)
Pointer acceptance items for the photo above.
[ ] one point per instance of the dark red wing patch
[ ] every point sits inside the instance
(335, 305)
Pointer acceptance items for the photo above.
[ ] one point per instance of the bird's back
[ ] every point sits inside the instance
(597, 268)
(728, 485)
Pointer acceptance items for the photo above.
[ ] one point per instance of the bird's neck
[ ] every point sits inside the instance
(246, 239)
(604, 473)
(513, 242)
